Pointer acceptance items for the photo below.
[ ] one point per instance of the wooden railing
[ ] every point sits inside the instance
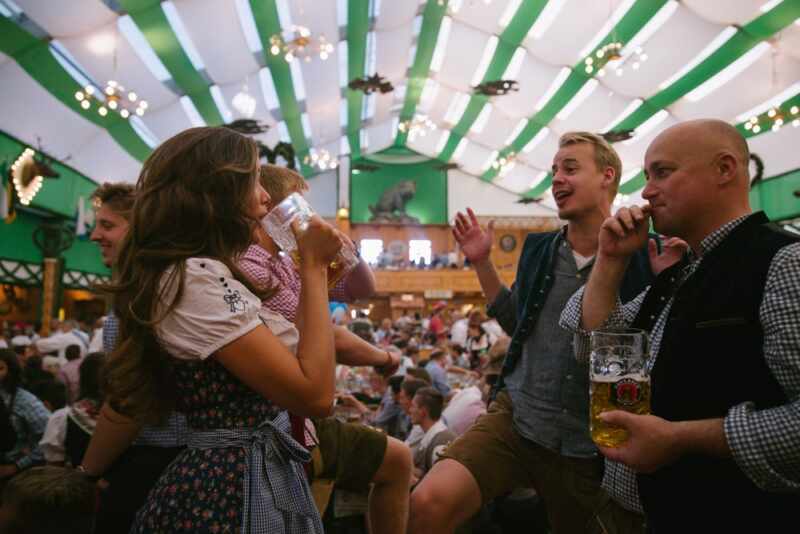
(419, 281)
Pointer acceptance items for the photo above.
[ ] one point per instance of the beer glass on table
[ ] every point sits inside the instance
(278, 223)
(620, 380)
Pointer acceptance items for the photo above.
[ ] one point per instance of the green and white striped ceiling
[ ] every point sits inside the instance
(728, 59)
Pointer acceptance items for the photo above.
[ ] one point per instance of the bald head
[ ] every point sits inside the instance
(697, 178)
(709, 139)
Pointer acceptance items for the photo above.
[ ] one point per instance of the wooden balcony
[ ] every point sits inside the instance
(459, 281)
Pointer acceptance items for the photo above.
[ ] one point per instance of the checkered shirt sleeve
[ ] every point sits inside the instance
(766, 443)
(173, 433)
(29, 418)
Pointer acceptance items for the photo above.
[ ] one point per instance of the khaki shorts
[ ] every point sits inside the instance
(351, 453)
(501, 460)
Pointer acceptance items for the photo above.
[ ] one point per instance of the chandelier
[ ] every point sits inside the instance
(420, 125)
(114, 97)
(610, 57)
(320, 159)
(300, 44)
(504, 164)
(773, 119)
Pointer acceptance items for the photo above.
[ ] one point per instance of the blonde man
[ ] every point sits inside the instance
(536, 431)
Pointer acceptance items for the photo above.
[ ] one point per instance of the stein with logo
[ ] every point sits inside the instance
(278, 223)
(620, 380)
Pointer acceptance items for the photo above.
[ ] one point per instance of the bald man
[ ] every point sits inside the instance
(722, 446)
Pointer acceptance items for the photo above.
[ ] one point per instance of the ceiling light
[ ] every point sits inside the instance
(419, 126)
(299, 43)
(320, 159)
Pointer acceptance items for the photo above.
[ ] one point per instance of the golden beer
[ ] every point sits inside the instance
(336, 269)
(630, 393)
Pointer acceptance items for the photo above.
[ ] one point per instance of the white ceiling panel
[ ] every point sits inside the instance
(61, 131)
(534, 79)
(727, 11)
(464, 51)
(226, 57)
(104, 160)
(68, 19)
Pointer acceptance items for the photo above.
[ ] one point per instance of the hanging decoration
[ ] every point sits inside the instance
(28, 174)
(496, 87)
(371, 84)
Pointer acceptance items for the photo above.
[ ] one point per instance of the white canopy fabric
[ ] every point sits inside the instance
(727, 59)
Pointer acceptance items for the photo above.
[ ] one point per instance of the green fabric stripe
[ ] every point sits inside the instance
(267, 22)
(357, 26)
(151, 20)
(426, 44)
(630, 24)
(540, 188)
(35, 58)
(633, 185)
(509, 40)
(746, 38)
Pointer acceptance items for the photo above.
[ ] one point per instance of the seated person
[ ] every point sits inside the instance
(48, 499)
(426, 411)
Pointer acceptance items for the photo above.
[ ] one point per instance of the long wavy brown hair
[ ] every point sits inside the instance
(192, 200)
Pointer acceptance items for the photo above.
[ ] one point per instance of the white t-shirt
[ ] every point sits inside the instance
(215, 309)
(462, 410)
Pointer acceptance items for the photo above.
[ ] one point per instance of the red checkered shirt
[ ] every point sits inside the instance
(267, 271)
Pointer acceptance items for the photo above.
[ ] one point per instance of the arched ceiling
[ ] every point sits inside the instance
(728, 59)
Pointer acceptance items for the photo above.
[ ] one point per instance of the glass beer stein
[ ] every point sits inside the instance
(278, 224)
(619, 380)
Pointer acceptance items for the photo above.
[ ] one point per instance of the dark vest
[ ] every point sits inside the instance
(711, 359)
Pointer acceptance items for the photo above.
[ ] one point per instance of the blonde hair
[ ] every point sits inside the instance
(280, 182)
(604, 154)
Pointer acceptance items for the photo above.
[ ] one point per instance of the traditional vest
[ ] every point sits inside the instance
(711, 359)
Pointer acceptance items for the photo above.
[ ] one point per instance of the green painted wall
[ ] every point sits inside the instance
(59, 197)
(429, 204)
(776, 196)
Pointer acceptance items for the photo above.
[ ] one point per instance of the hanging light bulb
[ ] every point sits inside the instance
(244, 103)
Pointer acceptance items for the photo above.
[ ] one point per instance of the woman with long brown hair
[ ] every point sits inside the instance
(192, 337)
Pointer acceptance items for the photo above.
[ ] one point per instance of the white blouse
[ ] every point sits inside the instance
(214, 310)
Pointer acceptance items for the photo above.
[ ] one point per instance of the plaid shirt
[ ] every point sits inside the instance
(279, 272)
(29, 419)
(173, 433)
(765, 443)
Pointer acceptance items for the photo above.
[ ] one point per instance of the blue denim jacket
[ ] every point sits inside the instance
(534, 281)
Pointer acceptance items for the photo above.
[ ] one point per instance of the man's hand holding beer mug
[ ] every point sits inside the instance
(620, 382)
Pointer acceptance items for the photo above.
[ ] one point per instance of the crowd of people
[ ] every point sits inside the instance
(220, 394)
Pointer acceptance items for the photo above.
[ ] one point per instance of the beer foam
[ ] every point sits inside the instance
(612, 379)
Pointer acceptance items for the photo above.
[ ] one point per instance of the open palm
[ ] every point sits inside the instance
(475, 243)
